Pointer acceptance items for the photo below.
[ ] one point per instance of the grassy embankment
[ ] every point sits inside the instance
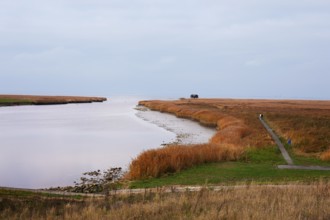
(240, 139)
(248, 202)
(256, 166)
(10, 100)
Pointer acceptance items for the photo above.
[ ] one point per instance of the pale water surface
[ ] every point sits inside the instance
(44, 146)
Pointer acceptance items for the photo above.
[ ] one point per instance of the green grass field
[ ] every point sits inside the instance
(257, 166)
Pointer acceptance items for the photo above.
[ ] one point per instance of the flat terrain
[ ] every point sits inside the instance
(10, 100)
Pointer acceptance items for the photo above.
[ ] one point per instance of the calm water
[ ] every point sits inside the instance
(43, 146)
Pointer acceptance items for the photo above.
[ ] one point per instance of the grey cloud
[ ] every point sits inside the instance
(118, 45)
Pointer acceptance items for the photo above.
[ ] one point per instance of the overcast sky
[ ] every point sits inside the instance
(166, 48)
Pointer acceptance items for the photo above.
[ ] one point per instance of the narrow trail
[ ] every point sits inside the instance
(299, 167)
(286, 155)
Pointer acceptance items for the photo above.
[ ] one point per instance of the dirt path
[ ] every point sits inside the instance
(285, 154)
(166, 189)
(298, 167)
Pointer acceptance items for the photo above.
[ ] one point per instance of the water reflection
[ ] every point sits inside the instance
(43, 146)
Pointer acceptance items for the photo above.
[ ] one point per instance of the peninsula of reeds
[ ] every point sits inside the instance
(306, 123)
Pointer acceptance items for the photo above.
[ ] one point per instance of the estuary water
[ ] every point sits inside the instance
(48, 146)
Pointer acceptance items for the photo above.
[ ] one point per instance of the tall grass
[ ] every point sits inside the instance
(156, 162)
(309, 132)
(247, 202)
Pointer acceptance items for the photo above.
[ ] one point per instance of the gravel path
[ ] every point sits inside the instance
(285, 154)
(298, 167)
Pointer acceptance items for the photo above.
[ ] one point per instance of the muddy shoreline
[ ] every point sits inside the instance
(187, 131)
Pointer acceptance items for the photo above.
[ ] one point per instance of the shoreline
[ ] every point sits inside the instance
(187, 131)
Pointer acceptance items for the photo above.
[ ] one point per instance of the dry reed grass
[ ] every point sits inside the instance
(231, 135)
(247, 202)
(173, 158)
(309, 132)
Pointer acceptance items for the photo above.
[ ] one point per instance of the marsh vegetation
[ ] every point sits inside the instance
(306, 123)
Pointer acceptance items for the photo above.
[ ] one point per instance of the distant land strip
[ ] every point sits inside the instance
(13, 100)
